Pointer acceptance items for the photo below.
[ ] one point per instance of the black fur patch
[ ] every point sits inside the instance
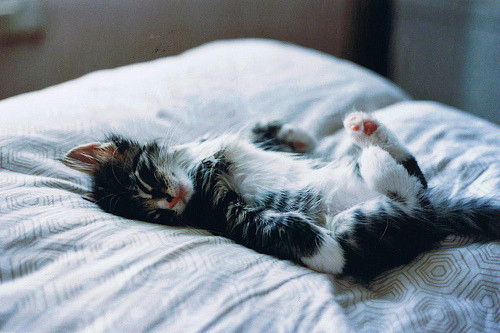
(413, 169)
(265, 137)
(115, 187)
(387, 236)
(285, 235)
(357, 170)
(379, 240)
(396, 197)
(304, 201)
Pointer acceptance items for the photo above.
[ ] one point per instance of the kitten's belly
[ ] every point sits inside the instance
(337, 202)
(255, 172)
(341, 189)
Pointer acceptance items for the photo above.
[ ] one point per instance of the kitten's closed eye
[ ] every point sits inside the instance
(169, 193)
(143, 186)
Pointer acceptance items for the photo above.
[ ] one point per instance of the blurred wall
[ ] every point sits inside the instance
(449, 51)
(83, 36)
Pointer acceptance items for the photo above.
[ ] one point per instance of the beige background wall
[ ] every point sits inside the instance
(83, 36)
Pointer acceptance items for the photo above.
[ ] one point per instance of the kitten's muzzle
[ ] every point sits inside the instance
(182, 196)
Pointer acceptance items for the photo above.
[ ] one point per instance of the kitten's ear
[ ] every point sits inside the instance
(88, 157)
(89, 197)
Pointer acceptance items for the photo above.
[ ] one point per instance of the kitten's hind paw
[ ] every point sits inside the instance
(365, 130)
(328, 258)
(282, 137)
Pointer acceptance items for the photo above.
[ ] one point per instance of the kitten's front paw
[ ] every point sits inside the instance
(299, 140)
(283, 137)
(365, 130)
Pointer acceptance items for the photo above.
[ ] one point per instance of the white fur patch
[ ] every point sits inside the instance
(163, 204)
(329, 257)
(382, 173)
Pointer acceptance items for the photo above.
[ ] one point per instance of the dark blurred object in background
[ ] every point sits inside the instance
(449, 51)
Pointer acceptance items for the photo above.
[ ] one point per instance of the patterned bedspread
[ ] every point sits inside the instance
(65, 265)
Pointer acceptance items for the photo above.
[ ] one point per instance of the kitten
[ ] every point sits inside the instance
(367, 211)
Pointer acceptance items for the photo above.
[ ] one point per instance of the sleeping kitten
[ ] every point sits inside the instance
(367, 211)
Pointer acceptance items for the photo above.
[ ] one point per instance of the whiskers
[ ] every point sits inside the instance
(170, 138)
(113, 199)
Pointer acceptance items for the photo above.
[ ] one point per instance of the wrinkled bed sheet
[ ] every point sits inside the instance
(65, 265)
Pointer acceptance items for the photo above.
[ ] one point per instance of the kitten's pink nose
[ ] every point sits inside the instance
(181, 196)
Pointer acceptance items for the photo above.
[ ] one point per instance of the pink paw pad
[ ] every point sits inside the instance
(369, 127)
(299, 145)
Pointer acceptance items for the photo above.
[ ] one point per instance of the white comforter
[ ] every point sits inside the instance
(65, 265)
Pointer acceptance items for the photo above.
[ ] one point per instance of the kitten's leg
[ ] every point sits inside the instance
(367, 132)
(382, 173)
(381, 234)
(282, 137)
(388, 231)
(286, 235)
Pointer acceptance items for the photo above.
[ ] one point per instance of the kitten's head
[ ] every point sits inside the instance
(146, 182)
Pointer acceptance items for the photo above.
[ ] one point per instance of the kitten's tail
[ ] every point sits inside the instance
(478, 218)
(382, 234)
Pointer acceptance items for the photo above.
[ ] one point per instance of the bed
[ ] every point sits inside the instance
(65, 265)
